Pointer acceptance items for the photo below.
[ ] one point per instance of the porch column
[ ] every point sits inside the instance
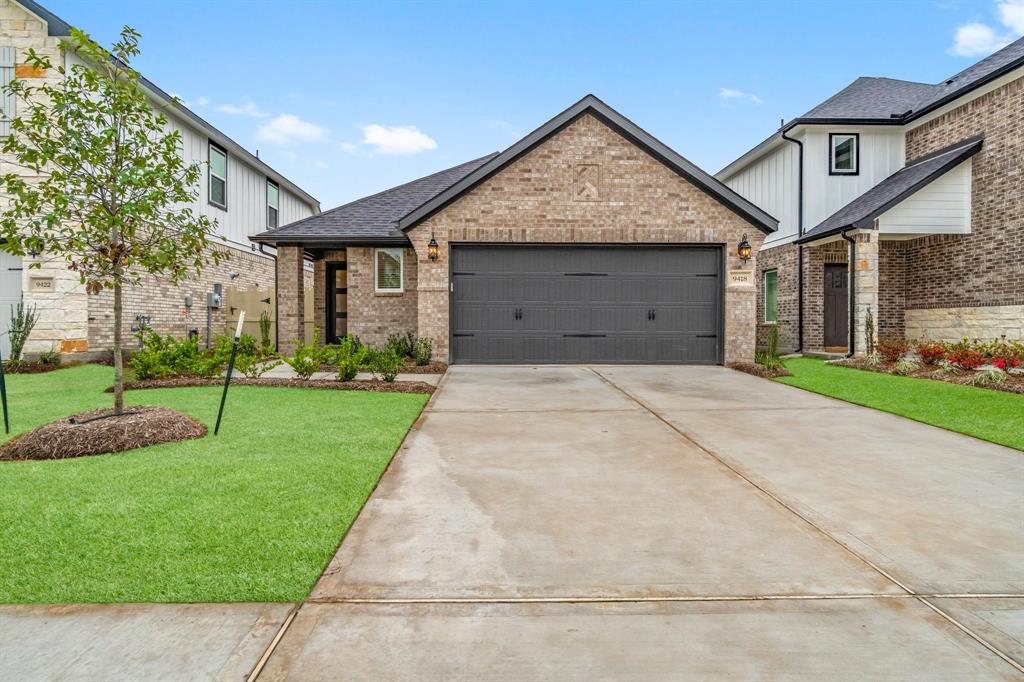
(865, 280)
(290, 299)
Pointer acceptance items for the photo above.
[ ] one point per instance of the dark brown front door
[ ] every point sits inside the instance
(837, 318)
(337, 302)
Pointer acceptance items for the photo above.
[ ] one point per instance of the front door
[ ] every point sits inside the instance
(337, 302)
(837, 310)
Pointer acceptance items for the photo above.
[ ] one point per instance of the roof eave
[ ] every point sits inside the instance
(591, 104)
(957, 94)
(327, 241)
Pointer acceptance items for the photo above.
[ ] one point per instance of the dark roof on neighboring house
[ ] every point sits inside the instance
(862, 211)
(886, 100)
(57, 27)
(638, 136)
(373, 219)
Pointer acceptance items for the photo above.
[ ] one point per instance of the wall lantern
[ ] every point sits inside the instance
(432, 248)
(743, 250)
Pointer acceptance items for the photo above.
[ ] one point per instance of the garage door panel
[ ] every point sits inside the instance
(572, 304)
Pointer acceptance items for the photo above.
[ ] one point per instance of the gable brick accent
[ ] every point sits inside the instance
(637, 200)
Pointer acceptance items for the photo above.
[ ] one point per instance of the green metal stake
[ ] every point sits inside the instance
(3, 396)
(231, 368)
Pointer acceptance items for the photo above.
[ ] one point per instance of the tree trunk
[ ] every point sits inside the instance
(118, 364)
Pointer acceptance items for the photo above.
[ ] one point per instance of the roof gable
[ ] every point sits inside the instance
(629, 130)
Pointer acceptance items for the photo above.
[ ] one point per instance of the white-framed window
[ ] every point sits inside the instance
(273, 201)
(388, 271)
(218, 159)
(843, 153)
(771, 295)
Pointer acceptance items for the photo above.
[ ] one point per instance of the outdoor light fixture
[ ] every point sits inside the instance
(743, 250)
(432, 248)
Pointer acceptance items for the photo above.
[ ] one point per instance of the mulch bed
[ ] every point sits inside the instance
(31, 367)
(1014, 382)
(326, 384)
(759, 370)
(410, 368)
(97, 432)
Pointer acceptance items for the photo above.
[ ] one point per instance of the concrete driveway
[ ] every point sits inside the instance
(666, 523)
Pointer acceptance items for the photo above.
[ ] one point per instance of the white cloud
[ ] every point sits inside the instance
(246, 109)
(401, 140)
(728, 94)
(348, 147)
(287, 128)
(976, 39)
(319, 164)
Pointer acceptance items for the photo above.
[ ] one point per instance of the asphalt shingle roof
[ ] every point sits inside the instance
(372, 219)
(862, 211)
(888, 99)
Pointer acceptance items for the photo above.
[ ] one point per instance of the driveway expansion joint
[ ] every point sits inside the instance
(774, 497)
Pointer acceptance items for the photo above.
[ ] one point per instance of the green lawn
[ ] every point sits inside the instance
(253, 514)
(990, 415)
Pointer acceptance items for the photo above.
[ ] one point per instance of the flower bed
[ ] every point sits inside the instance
(328, 384)
(1011, 382)
(759, 370)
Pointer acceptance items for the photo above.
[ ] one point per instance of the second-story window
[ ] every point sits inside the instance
(273, 197)
(218, 176)
(843, 153)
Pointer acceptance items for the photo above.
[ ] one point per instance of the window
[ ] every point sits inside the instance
(843, 153)
(218, 176)
(388, 271)
(273, 196)
(771, 295)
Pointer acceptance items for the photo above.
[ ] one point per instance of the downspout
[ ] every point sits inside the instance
(799, 247)
(853, 291)
(277, 327)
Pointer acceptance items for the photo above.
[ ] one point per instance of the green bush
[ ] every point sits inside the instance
(50, 357)
(309, 357)
(770, 358)
(422, 351)
(160, 357)
(253, 366)
(349, 357)
(265, 342)
(387, 364)
(401, 344)
(22, 321)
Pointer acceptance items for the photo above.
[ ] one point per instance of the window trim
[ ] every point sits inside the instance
(211, 145)
(832, 157)
(277, 209)
(401, 270)
(764, 293)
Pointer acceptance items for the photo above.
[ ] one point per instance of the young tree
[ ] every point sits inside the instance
(102, 181)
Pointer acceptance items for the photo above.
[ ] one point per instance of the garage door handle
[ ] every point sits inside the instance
(518, 313)
(707, 336)
(652, 314)
(586, 274)
(584, 336)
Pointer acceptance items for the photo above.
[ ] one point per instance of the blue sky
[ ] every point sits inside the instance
(347, 99)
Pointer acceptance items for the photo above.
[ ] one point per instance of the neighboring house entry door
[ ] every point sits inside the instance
(10, 296)
(837, 307)
(580, 304)
(337, 302)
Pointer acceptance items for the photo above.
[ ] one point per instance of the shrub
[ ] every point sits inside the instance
(401, 344)
(253, 366)
(160, 357)
(905, 366)
(22, 321)
(265, 342)
(349, 356)
(931, 352)
(422, 351)
(965, 354)
(892, 348)
(308, 357)
(387, 364)
(869, 334)
(50, 357)
(768, 361)
(988, 377)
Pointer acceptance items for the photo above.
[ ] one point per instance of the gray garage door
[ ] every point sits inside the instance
(583, 304)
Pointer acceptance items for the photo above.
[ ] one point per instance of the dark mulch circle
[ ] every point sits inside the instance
(326, 384)
(759, 370)
(97, 432)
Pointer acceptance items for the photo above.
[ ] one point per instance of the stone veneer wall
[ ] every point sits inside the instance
(953, 324)
(585, 185)
(983, 269)
(373, 316)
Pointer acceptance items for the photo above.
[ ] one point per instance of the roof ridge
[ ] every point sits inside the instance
(381, 192)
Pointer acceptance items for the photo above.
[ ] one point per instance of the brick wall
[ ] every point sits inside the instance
(984, 268)
(815, 259)
(373, 316)
(782, 259)
(538, 198)
(892, 274)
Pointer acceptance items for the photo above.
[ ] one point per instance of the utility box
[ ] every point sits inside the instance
(213, 300)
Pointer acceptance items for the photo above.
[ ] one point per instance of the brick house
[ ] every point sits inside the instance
(919, 186)
(586, 241)
(241, 192)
